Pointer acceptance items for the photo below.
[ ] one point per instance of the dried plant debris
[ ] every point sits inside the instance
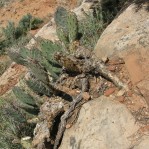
(48, 112)
(91, 65)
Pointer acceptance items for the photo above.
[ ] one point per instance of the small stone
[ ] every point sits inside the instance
(86, 96)
(105, 59)
(2, 14)
(111, 68)
(8, 9)
(95, 95)
(68, 126)
(109, 91)
(129, 93)
(121, 99)
(121, 93)
(14, 11)
(34, 12)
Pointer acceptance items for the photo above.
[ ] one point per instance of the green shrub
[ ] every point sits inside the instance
(2, 47)
(91, 28)
(4, 63)
(13, 34)
(13, 124)
(28, 22)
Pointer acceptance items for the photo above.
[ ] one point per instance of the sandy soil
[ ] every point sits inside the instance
(39, 8)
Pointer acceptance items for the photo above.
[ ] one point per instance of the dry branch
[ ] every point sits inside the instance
(88, 65)
(64, 119)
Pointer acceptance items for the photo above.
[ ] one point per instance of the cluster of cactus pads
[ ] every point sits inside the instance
(43, 69)
(66, 25)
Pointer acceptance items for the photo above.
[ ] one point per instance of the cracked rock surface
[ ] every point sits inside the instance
(102, 123)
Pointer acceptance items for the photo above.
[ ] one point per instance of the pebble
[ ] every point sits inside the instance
(121, 93)
(121, 99)
(129, 93)
(68, 126)
(111, 68)
(86, 96)
(105, 59)
(109, 91)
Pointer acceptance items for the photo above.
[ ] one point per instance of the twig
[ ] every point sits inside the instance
(64, 118)
(100, 68)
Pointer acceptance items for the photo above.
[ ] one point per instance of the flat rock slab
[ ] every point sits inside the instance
(129, 31)
(128, 37)
(102, 124)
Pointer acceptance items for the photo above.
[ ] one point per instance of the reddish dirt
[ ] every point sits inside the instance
(39, 8)
(10, 77)
(134, 72)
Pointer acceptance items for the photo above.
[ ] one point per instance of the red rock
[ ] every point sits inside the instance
(129, 93)
(111, 68)
(109, 91)
(121, 99)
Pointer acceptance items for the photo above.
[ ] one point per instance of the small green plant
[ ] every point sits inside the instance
(13, 125)
(13, 34)
(90, 28)
(28, 22)
(2, 47)
(94, 24)
(5, 62)
(4, 2)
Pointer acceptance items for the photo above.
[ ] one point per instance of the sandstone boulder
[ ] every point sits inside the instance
(102, 123)
(129, 31)
(128, 37)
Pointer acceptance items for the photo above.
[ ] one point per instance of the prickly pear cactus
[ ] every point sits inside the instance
(23, 97)
(63, 36)
(38, 87)
(72, 25)
(67, 26)
(60, 18)
(27, 102)
(48, 49)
